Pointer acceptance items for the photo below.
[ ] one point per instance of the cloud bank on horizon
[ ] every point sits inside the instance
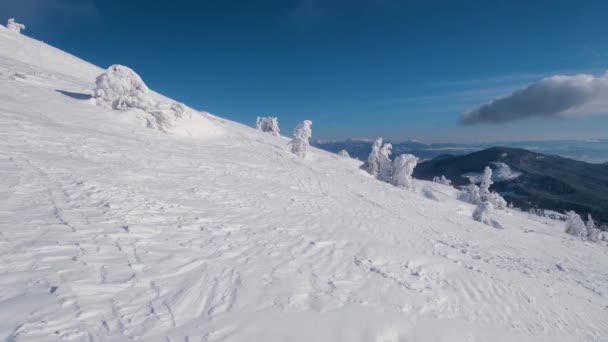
(552, 97)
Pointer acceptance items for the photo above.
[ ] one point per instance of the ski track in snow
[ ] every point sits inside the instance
(113, 232)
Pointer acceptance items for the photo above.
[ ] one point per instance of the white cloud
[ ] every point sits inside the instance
(552, 97)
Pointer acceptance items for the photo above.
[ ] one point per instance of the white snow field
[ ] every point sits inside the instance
(213, 231)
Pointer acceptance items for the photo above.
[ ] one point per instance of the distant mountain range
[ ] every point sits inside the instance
(592, 151)
(528, 179)
(525, 178)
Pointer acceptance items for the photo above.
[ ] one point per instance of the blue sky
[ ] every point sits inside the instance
(356, 68)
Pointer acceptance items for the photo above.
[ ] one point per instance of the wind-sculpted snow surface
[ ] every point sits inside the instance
(113, 232)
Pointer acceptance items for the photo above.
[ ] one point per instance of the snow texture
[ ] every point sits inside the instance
(268, 124)
(110, 231)
(483, 214)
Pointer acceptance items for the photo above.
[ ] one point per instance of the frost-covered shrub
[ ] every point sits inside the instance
(403, 167)
(483, 214)
(344, 153)
(14, 26)
(575, 225)
(497, 201)
(442, 180)
(121, 88)
(486, 181)
(593, 234)
(301, 134)
(373, 161)
(268, 124)
(470, 194)
(385, 170)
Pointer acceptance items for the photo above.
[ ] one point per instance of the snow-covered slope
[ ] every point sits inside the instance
(110, 231)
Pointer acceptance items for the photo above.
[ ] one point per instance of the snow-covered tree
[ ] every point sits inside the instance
(442, 180)
(486, 181)
(373, 161)
(301, 134)
(385, 170)
(14, 26)
(575, 225)
(470, 194)
(403, 167)
(483, 214)
(497, 201)
(268, 124)
(121, 88)
(344, 153)
(592, 231)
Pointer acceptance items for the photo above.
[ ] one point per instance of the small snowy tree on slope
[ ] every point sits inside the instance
(301, 134)
(121, 88)
(14, 26)
(403, 167)
(344, 153)
(486, 181)
(470, 194)
(575, 225)
(268, 124)
(483, 214)
(385, 171)
(592, 231)
(442, 180)
(373, 161)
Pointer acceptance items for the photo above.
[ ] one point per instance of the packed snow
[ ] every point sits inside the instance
(111, 230)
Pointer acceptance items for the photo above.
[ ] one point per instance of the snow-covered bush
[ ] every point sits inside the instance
(385, 170)
(497, 201)
(373, 161)
(575, 225)
(344, 153)
(483, 214)
(470, 194)
(301, 134)
(592, 232)
(486, 181)
(403, 167)
(268, 124)
(14, 26)
(442, 180)
(121, 88)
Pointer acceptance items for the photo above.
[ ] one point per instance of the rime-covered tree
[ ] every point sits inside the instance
(373, 161)
(385, 171)
(470, 194)
(483, 214)
(119, 87)
(442, 180)
(268, 124)
(592, 231)
(575, 225)
(498, 201)
(14, 26)
(484, 187)
(403, 167)
(344, 153)
(301, 134)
